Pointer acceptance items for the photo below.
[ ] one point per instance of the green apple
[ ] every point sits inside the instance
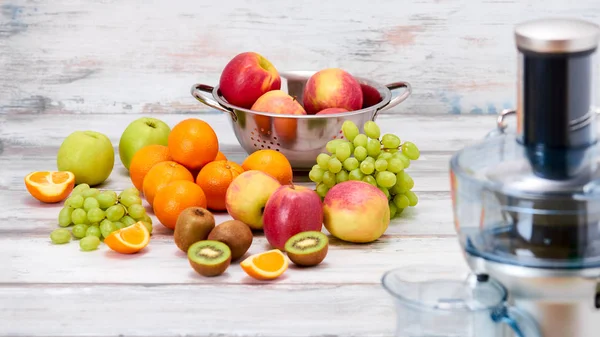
(139, 133)
(88, 154)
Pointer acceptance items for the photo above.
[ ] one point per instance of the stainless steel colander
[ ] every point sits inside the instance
(299, 137)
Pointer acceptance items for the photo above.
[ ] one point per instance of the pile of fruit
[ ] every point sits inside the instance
(361, 182)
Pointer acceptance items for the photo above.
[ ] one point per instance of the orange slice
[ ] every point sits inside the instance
(129, 240)
(50, 186)
(265, 266)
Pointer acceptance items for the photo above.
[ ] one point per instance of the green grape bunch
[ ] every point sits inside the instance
(92, 215)
(380, 160)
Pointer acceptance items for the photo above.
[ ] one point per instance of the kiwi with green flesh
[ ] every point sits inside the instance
(307, 248)
(235, 234)
(193, 225)
(209, 258)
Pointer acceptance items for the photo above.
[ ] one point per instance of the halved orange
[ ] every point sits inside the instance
(265, 266)
(129, 240)
(50, 186)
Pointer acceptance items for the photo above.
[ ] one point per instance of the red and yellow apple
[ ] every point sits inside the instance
(278, 102)
(356, 211)
(330, 111)
(247, 77)
(370, 95)
(247, 196)
(289, 211)
(332, 88)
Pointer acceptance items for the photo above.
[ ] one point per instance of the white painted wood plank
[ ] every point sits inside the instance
(163, 263)
(135, 57)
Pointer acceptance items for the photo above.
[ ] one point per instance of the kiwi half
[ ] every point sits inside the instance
(193, 225)
(209, 258)
(307, 248)
(235, 234)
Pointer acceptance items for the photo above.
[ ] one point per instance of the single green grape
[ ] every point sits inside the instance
(90, 192)
(384, 155)
(60, 236)
(400, 187)
(332, 145)
(395, 165)
(64, 216)
(341, 176)
(322, 190)
(93, 230)
(350, 130)
(393, 209)
(115, 212)
(329, 179)
(373, 147)
(323, 160)
(367, 167)
(136, 211)
(89, 203)
(343, 151)
(390, 141)
(381, 165)
(385, 191)
(119, 224)
(316, 174)
(80, 188)
(335, 165)
(131, 190)
(147, 218)
(350, 164)
(401, 201)
(370, 179)
(408, 181)
(360, 153)
(79, 216)
(355, 174)
(74, 201)
(127, 220)
(403, 158)
(370, 160)
(148, 226)
(130, 199)
(360, 140)
(107, 227)
(386, 179)
(106, 199)
(89, 243)
(95, 215)
(410, 150)
(372, 130)
(413, 200)
(79, 230)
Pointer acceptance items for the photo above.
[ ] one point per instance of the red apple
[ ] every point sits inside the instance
(289, 211)
(370, 95)
(279, 102)
(332, 88)
(247, 77)
(329, 111)
(356, 211)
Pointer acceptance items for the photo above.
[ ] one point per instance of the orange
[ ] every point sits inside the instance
(265, 266)
(220, 156)
(129, 240)
(271, 162)
(50, 186)
(160, 175)
(143, 160)
(214, 178)
(193, 143)
(171, 200)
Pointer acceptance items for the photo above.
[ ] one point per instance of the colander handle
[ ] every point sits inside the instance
(203, 93)
(398, 99)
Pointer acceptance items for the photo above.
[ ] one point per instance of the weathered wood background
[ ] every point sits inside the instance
(137, 56)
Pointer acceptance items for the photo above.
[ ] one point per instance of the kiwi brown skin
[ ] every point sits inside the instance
(209, 270)
(193, 225)
(235, 234)
(307, 259)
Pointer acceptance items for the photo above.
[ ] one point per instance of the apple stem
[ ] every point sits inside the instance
(292, 184)
(294, 98)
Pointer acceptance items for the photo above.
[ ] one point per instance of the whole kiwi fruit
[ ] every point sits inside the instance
(235, 234)
(307, 248)
(209, 258)
(193, 225)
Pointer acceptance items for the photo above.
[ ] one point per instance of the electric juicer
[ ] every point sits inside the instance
(527, 203)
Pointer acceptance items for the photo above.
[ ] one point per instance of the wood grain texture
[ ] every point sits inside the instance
(132, 56)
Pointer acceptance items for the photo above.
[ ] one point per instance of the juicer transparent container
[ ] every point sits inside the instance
(507, 212)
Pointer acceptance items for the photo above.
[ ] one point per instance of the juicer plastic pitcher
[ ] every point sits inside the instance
(430, 306)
